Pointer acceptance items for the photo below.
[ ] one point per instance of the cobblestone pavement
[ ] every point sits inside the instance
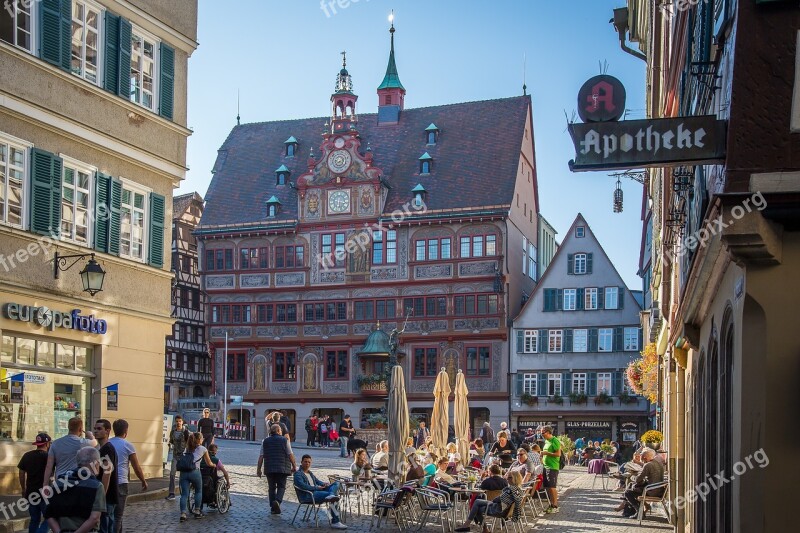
(583, 508)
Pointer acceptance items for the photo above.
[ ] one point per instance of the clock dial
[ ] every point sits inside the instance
(339, 142)
(339, 161)
(339, 202)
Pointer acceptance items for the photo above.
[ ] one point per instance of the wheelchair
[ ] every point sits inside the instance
(215, 491)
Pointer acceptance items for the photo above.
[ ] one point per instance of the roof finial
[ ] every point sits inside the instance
(344, 58)
(391, 21)
(524, 61)
(238, 123)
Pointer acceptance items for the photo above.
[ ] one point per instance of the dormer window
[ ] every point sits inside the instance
(291, 146)
(580, 231)
(273, 207)
(425, 163)
(431, 134)
(281, 175)
(419, 193)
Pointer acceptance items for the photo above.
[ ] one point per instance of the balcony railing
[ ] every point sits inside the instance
(590, 403)
(374, 385)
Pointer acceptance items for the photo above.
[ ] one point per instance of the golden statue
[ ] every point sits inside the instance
(309, 375)
(259, 379)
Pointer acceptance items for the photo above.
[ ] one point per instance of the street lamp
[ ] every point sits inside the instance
(225, 387)
(92, 275)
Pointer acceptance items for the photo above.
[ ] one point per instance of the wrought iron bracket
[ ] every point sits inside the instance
(60, 262)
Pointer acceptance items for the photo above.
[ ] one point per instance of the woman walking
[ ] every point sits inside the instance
(193, 477)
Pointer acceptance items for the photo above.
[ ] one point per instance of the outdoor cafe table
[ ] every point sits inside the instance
(455, 492)
(597, 466)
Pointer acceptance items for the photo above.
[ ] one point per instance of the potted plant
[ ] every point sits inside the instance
(472, 479)
(652, 439)
(625, 398)
(528, 399)
(607, 449)
(557, 399)
(578, 398)
(602, 398)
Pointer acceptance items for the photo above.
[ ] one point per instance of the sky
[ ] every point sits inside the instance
(281, 58)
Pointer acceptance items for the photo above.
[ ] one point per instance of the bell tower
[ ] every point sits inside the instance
(391, 93)
(343, 101)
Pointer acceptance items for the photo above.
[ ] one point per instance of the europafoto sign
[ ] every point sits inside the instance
(50, 319)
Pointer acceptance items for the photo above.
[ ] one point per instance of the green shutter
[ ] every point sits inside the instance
(567, 340)
(115, 220)
(592, 340)
(640, 346)
(45, 203)
(620, 297)
(592, 385)
(549, 300)
(559, 299)
(570, 262)
(111, 59)
(102, 211)
(125, 35)
(544, 342)
(601, 298)
(541, 389)
(520, 341)
(588, 263)
(155, 248)
(167, 81)
(55, 32)
(579, 299)
(619, 339)
(616, 383)
(566, 379)
(519, 378)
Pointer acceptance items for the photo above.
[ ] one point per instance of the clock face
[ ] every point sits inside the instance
(339, 161)
(339, 202)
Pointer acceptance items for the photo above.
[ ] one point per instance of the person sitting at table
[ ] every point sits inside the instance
(511, 495)
(504, 449)
(410, 446)
(477, 445)
(415, 470)
(535, 455)
(629, 470)
(380, 461)
(530, 436)
(360, 467)
(454, 459)
(441, 474)
(523, 464)
(314, 490)
(429, 468)
(495, 480)
(652, 472)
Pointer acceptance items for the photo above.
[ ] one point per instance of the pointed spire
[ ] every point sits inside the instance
(238, 123)
(392, 79)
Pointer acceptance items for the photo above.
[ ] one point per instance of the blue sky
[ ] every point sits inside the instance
(283, 56)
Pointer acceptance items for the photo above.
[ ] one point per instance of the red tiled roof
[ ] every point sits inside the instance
(475, 160)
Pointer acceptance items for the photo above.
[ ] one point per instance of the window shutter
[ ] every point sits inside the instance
(519, 378)
(640, 346)
(155, 250)
(592, 342)
(559, 299)
(55, 42)
(102, 211)
(111, 57)
(114, 221)
(544, 341)
(579, 299)
(616, 383)
(549, 300)
(167, 81)
(566, 379)
(620, 297)
(541, 389)
(601, 298)
(619, 339)
(520, 341)
(592, 384)
(570, 262)
(588, 263)
(45, 201)
(125, 34)
(567, 340)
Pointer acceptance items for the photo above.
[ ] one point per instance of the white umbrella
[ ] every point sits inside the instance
(440, 417)
(398, 426)
(461, 417)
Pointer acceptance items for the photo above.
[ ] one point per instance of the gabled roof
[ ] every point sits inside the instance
(182, 202)
(432, 127)
(281, 168)
(484, 139)
(290, 140)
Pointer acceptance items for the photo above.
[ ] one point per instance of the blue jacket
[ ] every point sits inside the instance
(301, 482)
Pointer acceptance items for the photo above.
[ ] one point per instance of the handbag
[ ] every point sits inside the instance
(186, 462)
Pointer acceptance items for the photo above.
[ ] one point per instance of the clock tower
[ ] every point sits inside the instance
(343, 101)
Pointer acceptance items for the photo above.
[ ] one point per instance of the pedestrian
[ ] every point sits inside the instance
(314, 429)
(61, 458)
(551, 458)
(280, 464)
(193, 478)
(346, 432)
(126, 459)
(323, 433)
(422, 434)
(287, 423)
(308, 432)
(314, 490)
(178, 438)
(107, 476)
(206, 426)
(78, 508)
(31, 477)
(487, 435)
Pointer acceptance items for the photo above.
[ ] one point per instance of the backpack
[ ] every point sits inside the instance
(323, 428)
(186, 462)
(562, 461)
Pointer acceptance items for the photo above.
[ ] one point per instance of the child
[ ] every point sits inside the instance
(212, 452)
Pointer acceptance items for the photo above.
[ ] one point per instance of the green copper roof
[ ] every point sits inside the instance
(273, 200)
(282, 168)
(419, 188)
(377, 344)
(425, 157)
(290, 140)
(392, 79)
(432, 127)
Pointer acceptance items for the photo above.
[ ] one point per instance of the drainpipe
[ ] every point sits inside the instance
(620, 22)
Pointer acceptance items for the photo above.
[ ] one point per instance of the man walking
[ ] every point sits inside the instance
(79, 507)
(31, 478)
(206, 426)
(487, 435)
(280, 464)
(551, 457)
(346, 432)
(108, 475)
(312, 489)
(422, 435)
(177, 441)
(61, 458)
(126, 458)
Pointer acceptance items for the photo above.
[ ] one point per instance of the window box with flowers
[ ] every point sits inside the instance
(603, 398)
(529, 399)
(373, 384)
(557, 399)
(578, 398)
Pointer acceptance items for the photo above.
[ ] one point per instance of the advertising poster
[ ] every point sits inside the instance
(17, 388)
(165, 438)
(112, 396)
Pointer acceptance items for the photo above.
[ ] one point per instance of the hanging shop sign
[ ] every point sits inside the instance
(644, 143)
(601, 99)
(17, 388)
(112, 397)
(51, 319)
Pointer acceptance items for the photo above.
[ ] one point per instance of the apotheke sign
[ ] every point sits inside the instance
(50, 319)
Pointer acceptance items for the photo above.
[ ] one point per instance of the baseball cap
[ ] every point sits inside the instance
(42, 439)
